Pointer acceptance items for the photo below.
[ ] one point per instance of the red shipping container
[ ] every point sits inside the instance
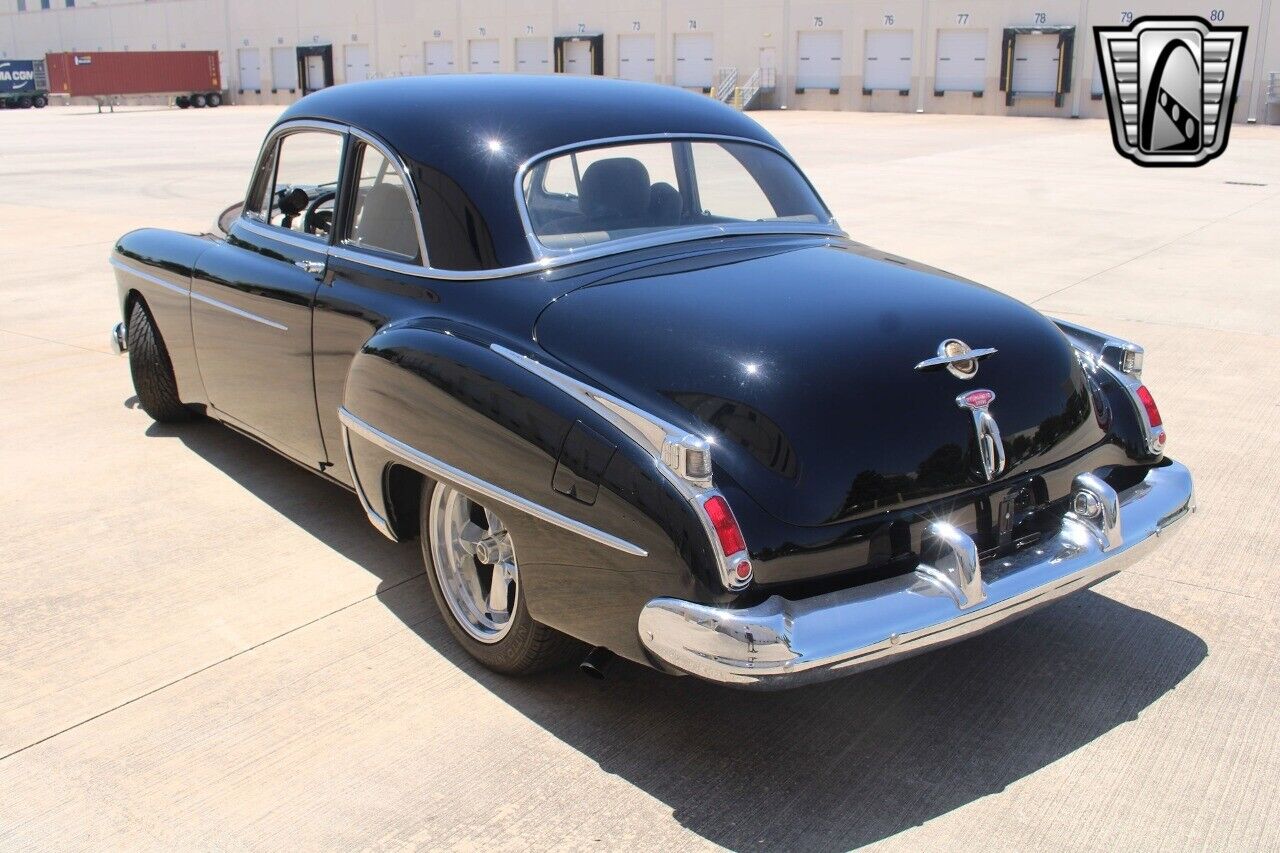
(104, 73)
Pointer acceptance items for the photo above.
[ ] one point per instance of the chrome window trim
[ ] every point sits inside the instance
(199, 297)
(268, 145)
(543, 261)
(415, 208)
(542, 252)
(442, 470)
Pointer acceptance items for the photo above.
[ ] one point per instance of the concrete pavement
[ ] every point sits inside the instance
(203, 646)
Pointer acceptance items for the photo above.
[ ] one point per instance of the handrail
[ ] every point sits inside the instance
(727, 76)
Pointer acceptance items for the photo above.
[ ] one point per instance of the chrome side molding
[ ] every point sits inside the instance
(440, 470)
(199, 297)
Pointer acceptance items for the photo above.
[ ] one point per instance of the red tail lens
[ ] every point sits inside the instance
(1149, 403)
(727, 530)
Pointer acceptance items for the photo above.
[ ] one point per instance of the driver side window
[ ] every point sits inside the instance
(306, 182)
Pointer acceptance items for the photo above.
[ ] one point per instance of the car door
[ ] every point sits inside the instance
(252, 296)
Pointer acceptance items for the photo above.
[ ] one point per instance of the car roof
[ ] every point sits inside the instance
(435, 119)
(478, 129)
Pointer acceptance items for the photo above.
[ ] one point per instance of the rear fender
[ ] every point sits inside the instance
(433, 396)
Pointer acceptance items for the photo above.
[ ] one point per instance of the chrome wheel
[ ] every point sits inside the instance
(474, 563)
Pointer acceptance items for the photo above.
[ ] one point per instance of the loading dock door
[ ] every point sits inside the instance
(284, 69)
(577, 57)
(637, 58)
(439, 57)
(483, 56)
(962, 61)
(1035, 64)
(888, 62)
(819, 57)
(533, 56)
(250, 70)
(357, 63)
(695, 60)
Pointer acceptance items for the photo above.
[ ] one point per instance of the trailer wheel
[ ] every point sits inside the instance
(215, 100)
(182, 102)
(24, 102)
(40, 102)
(198, 100)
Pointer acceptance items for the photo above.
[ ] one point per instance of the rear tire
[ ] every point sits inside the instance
(39, 102)
(199, 101)
(24, 103)
(151, 369)
(182, 102)
(513, 642)
(214, 99)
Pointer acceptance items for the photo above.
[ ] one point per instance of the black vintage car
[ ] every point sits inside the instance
(603, 350)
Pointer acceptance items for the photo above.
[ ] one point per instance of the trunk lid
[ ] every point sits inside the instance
(800, 366)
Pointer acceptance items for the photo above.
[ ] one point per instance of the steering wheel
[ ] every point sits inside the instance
(316, 221)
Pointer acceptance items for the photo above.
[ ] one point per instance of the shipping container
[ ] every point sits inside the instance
(191, 76)
(23, 83)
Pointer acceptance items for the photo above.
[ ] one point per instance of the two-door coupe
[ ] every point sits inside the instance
(604, 351)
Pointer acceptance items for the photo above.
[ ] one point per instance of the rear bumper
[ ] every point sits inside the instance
(781, 643)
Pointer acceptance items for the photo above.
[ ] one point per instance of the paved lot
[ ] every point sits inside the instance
(202, 646)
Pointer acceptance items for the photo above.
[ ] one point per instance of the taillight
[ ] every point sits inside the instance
(1149, 403)
(725, 525)
(734, 564)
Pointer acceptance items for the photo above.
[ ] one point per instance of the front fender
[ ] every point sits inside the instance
(432, 396)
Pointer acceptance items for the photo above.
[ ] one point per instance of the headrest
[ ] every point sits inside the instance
(618, 187)
(665, 204)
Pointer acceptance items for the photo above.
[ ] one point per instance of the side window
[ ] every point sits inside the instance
(382, 217)
(560, 176)
(306, 182)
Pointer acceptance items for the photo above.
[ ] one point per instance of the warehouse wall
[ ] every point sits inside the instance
(890, 55)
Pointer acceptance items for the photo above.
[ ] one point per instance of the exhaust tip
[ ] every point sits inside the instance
(597, 662)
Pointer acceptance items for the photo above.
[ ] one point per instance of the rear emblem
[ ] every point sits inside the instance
(990, 447)
(955, 355)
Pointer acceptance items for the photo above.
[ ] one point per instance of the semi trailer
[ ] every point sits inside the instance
(191, 77)
(23, 84)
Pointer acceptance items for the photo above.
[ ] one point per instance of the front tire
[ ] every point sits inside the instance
(151, 369)
(475, 579)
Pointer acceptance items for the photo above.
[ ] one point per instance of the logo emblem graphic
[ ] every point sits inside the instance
(990, 447)
(955, 355)
(1171, 85)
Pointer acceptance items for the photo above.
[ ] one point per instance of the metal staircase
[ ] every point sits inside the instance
(727, 91)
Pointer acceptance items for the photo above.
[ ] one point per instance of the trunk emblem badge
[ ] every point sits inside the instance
(956, 356)
(990, 446)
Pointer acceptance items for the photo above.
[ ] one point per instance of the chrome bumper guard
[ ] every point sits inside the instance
(781, 643)
(119, 339)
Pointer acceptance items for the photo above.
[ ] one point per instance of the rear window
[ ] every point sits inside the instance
(596, 195)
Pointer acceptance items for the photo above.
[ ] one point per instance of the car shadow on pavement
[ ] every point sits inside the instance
(826, 767)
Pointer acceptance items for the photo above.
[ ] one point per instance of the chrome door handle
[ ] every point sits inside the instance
(313, 267)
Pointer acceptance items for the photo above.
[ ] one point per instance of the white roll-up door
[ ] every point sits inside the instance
(577, 57)
(439, 57)
(284, 68)
(695, 60)
(888, 60)
(482, 55)
(962, 61)
(357, 58)
(250, 69)
(819, 58)
(532, 56)
(637, 58)
(1035, 64)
